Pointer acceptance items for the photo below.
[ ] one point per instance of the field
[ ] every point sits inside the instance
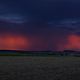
(39, 68)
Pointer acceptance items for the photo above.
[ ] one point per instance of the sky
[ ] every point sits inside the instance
(39, 25)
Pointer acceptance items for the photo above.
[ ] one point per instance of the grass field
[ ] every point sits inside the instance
(39, 68)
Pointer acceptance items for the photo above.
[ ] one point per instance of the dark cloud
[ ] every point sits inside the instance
(43, 10)
(52, 21)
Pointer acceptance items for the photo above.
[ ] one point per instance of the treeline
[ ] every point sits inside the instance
(39, 53)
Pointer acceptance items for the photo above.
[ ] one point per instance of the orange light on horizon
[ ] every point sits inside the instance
(13, 42)
(73, 42)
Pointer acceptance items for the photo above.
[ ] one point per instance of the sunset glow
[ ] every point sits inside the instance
(13, 42)
(73, 42)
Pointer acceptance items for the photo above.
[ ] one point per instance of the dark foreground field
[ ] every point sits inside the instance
(39, 68)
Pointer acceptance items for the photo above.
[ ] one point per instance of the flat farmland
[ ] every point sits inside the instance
(39, 68)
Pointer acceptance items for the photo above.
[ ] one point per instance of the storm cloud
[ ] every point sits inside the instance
(47, 23)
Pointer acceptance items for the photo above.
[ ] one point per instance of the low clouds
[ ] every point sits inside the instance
(72, 25)
(44, 36)
(12, 18)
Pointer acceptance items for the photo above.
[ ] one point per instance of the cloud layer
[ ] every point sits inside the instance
(48, 24)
